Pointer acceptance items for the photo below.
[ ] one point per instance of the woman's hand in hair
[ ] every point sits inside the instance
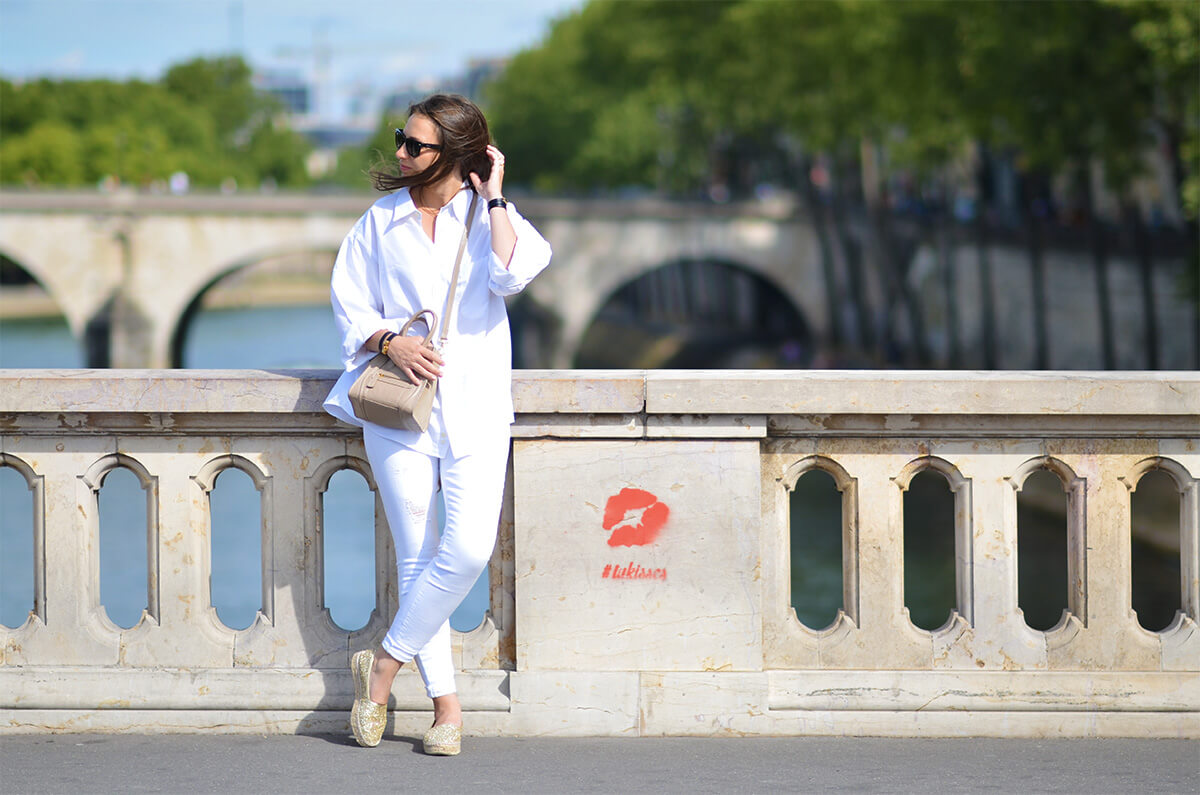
(492, 189)
(417, 361)
(504, 237)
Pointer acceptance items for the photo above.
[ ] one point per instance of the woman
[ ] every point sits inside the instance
(397, 260)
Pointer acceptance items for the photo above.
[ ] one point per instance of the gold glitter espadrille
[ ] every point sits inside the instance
(367, 718)
(443, 740)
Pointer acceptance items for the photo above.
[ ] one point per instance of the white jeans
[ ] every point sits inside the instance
(435, 571)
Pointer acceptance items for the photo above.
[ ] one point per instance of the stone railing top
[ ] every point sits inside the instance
(737, 392)
(923, 392)
(158, 391)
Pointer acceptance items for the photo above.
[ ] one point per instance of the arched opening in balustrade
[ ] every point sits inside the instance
(1042, 549)
(1163, 544)
(1051, 555)
(936, 517)
(125, 553)
(22, 543)
(269, 311)
(823, 542)
(240, 549)
(697, 314)
(33, 328)
(354, 546)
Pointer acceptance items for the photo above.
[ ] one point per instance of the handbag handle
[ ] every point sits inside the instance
(430, 325)
(462, 246)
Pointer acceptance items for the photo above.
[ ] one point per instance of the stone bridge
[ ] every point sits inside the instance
(134, 267)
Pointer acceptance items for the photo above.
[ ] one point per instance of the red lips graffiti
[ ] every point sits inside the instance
(635, 517)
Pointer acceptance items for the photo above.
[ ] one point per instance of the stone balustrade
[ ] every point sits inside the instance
(640, 585)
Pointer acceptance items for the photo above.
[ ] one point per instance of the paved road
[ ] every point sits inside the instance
(92, 763)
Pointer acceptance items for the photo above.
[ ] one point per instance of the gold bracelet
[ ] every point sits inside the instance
(387, 340)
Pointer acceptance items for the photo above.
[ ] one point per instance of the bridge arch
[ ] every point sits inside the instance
(34, 312)
(696, 312)
(19, 273)
(596, 255)
(185, 318)
(76, 257)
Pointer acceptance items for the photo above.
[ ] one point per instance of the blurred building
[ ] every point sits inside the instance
(298, 96)
(470, 84)
(291, 89)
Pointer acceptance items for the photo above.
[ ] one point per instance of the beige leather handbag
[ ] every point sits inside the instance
(383, 394)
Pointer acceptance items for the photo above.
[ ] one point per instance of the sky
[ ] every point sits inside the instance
(371, 43)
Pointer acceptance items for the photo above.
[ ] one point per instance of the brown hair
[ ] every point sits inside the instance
(465, 137)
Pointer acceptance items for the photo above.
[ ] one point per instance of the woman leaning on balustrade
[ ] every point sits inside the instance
(397, 260)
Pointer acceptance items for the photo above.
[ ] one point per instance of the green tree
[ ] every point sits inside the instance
(50, 153)
(355, 162)
(203, 118)
(1169, 33)
(222, 88)
(277, 153)
(1062, 82)
(682, 96)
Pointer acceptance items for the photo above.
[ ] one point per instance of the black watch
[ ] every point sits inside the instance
(494, 203)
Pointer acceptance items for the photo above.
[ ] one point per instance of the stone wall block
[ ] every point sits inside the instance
(706, 426)
(983, 691)
(786, 642)
(637, 556)
(1112, 640)
(954, 644)
(555, 393)
(884, 631)
(1181, 645)
(502, 601)
(125, 688)
(72, 631)
(573, 703)
(816, 723)
(580, 426)
(1001, 637)
(298, 634)
(704, 704)
(186, 632)
(479, 647)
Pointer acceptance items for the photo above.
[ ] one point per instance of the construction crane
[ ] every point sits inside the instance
(322, 53)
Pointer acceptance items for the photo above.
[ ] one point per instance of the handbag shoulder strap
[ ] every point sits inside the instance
(447, 313)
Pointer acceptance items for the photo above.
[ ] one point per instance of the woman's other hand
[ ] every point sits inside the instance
(492, 189)
(414, 359)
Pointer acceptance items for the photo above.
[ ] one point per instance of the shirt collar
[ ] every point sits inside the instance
(405, 206)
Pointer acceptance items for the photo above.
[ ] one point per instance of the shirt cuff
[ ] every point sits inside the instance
(356, 336)
(527, 261)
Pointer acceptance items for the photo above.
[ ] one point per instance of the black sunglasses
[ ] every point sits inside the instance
(412, 145)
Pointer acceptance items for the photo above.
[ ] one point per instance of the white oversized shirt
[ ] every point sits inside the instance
(388, 269)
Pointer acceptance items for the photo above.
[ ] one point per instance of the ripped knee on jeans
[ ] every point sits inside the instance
(415, 509)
